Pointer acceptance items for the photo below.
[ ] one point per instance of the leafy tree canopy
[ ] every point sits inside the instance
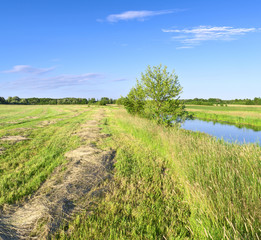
(156, 96)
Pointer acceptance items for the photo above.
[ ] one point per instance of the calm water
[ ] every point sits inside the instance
(229, 133)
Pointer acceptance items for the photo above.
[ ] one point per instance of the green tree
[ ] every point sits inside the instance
(156, 96)
(14, 100)
(135, 100)
(120, 101)
(9, 99)
(92, 101)
(2, 100)
(104, 101)
(23, 101)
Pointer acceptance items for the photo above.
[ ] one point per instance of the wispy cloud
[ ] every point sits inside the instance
(120, 80)
(55, 82)
(194, 36)
(138, 15)
(184, 47)
(28, 69)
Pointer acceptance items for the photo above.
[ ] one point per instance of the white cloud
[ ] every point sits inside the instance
(139, 15)
(184, 47)
(120, 80)
(194, 36)
(56, 82)
(28, 69)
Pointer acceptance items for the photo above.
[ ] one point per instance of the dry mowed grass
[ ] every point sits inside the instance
(33, 140)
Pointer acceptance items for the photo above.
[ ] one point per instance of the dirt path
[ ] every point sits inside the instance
(63, 193)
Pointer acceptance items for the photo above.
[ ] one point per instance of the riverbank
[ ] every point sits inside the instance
(172, 184)
(241, 116)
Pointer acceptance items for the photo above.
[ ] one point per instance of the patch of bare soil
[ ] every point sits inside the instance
(65, 193)
(31, 117)
(22, 129)
(46, 123)
(12, 122)
(14, 138)
(49, 122)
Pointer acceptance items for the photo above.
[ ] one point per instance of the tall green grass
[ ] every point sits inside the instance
(249, 117)
(144, 201)
(253, 123)
(174, 184)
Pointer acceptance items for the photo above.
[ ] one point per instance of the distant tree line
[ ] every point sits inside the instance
(54, 101)
(218, 101)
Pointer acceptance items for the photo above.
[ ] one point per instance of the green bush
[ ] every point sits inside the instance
(156, 96)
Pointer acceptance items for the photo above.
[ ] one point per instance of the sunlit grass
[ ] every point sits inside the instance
(25, 165)
(237, 115)
(208, 188)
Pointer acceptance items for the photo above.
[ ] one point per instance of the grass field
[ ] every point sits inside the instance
(173, 184)
(24, 165)
(242, 116)
(167, 183)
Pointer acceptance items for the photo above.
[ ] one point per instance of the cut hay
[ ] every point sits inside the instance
(14, 138)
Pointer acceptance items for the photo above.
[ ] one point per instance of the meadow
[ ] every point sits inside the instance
(46, 133)
(171, 183)
(168, 183)
(239, 115)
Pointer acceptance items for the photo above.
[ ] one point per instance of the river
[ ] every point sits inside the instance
(229, 133)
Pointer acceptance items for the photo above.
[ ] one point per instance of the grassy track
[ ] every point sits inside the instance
(25, 165)
(174, 184)
(237, 115)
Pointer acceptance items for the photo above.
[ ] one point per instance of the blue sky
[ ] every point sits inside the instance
(80, 48)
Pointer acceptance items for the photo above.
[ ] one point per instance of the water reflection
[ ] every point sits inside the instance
(229, 133)
(256, 129)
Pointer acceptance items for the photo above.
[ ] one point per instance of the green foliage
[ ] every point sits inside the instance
(23, 101)
(92, 100)
(120, 101)
(104, 101)
(2, 100)
(53, 101)
(218, 101)
(135, 100)
(156, 96)
(13, 100)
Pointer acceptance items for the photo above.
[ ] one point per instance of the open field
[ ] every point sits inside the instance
(167, 183)
(48, 133)
(248, 116)
(49, 163)
(173, 184)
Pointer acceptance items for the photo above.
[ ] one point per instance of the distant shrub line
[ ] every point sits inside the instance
(218, 101)
(54, 101)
